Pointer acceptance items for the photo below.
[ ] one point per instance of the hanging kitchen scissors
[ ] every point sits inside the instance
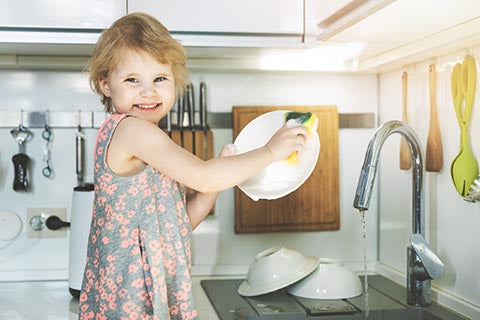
(47, 171)
(21, 133)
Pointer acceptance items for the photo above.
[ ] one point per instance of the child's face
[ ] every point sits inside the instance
(140, 85)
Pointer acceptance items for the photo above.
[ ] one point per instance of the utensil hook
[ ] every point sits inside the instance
(46, 134)
(79, 126)
(21, 133)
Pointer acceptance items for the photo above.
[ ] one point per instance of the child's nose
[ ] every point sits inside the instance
(147, 90)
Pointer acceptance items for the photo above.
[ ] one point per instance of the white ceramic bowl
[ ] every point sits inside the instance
(331, 280)
(276, 268)
(279, 178)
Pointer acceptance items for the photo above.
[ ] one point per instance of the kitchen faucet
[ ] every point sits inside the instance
(422, 263)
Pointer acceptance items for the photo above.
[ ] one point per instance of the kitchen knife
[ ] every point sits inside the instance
(169, 123)
(180, 106)
(187, 128)
(191, 115)
(207, 133)
(207, 136)
(175, 135)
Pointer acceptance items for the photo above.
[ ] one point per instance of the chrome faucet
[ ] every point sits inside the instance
(422, 263)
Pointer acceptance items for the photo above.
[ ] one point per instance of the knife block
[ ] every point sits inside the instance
(203, 146)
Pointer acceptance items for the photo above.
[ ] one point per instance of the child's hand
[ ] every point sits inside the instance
(228, 150)
(287, 140)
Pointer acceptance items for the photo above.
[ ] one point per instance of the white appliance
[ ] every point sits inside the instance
(81, 217)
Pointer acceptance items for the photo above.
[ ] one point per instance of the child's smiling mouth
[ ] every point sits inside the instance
(148, 107)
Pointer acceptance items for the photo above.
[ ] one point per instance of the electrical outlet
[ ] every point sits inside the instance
(36, 222)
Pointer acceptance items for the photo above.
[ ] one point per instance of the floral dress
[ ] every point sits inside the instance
(139, 249)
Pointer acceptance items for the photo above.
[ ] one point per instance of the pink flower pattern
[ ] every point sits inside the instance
(139, 251)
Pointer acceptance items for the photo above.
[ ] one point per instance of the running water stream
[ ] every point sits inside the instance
(364, 246)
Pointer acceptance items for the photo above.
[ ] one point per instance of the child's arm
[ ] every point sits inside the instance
(136, 139)
(200, 204)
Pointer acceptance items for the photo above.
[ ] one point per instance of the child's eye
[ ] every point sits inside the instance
(132, 80)
(160, 79)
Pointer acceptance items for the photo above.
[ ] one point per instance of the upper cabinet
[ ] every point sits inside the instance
(256, 23)
(72, 14)
(43, 27)
(390, 34)
(220, 16)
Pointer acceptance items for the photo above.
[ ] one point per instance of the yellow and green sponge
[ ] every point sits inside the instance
(306, 119)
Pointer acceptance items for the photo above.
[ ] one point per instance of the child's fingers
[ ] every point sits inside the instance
(299, 143)
(300, 131)
(295, 124)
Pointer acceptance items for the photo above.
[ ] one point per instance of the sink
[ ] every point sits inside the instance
(409, 314)
(385, 315)
(386, 300)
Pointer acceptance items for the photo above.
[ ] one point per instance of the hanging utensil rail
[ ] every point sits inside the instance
(94, 119)
(56, 119)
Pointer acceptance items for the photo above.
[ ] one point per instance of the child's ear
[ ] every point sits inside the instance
(104, 87)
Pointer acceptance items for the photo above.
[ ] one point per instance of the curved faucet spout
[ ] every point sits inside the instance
(422, 263)
(369, 170)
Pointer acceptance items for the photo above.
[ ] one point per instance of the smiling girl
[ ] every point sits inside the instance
(139, 251)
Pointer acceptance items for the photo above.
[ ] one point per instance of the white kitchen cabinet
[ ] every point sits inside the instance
(219, 23)
(220, 16)
(85, 14)
(406, 31)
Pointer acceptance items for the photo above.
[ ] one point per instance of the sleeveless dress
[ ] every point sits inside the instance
(139, 249)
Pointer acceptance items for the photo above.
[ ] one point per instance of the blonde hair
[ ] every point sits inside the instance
(137, 31)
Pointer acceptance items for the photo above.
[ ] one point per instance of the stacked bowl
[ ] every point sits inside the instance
(308, 277)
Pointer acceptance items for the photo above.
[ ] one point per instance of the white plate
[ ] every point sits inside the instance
(279, 178)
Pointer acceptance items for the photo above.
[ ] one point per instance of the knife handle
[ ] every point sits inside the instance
(169, 123)
(20, 164)
(180, 112)
(191, 107)
(203, 105)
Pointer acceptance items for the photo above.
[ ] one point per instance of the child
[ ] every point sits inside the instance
(139, 251)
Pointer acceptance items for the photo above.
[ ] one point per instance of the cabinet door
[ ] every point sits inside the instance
(220, 16)
(90, 14)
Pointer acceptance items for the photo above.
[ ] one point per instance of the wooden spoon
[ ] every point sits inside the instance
(405, 158)
(434, 140)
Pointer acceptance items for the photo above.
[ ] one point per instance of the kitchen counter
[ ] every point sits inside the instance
(50, 300)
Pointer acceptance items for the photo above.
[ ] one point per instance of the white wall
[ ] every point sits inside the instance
(452, 226)
(26, 258)
(216, 248)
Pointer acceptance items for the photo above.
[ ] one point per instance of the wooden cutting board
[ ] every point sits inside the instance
(313, 206)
